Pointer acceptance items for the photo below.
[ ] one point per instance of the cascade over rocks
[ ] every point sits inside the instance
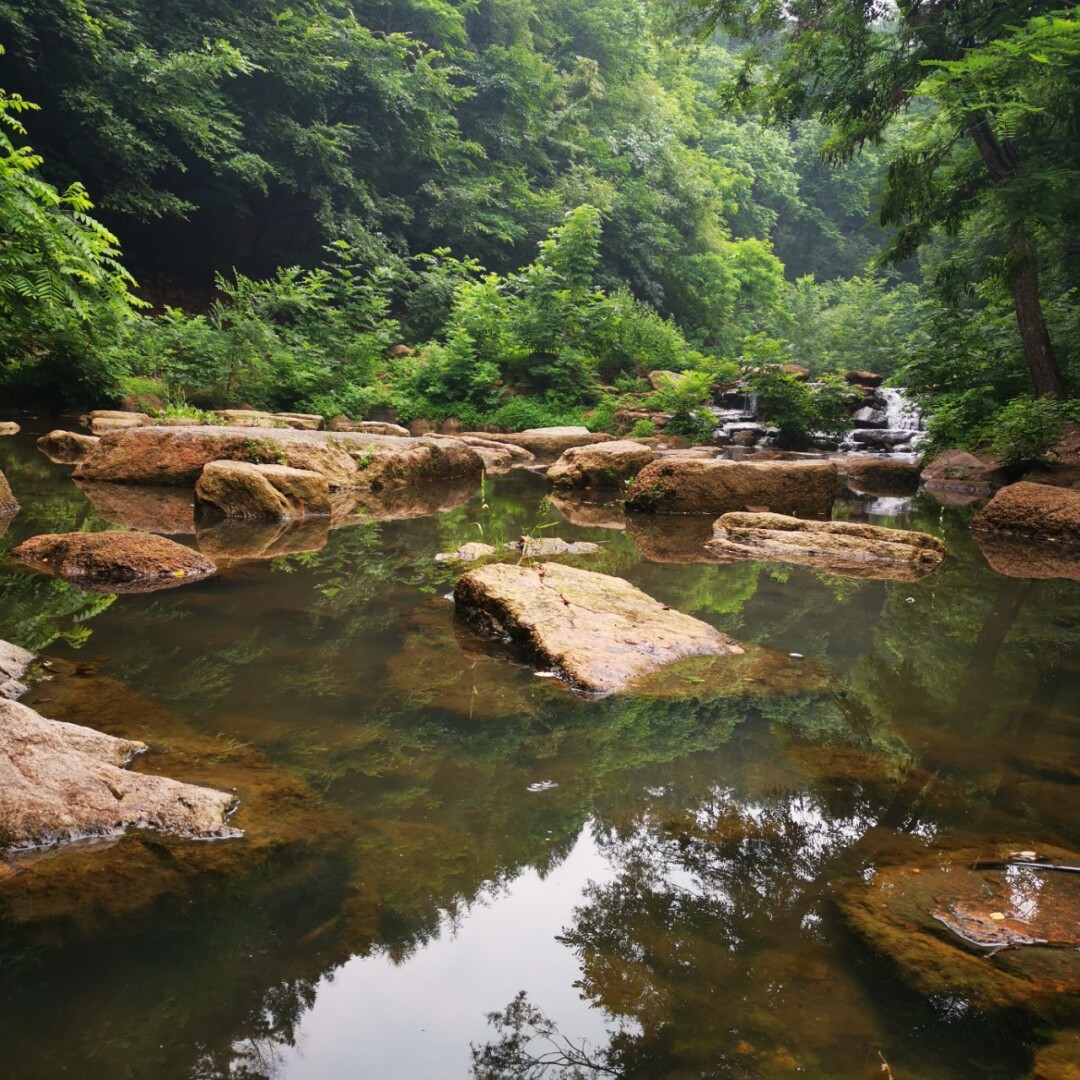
(690, 486)
(1035, 510)
(600, 633)
(604, 465)
(61, 782)
(841, 547)
(241, 489)
(349, 461)
(120, 562)
(66, 447)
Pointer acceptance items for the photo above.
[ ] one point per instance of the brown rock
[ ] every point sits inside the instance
(518, 454)
(625, 419)
(467, 553)
(883, 476)
(840, 547)
(596, 515)
(600, 633)
(679, 539)
(240, 489)
(349, 461)
(606, 465)
(688, 486)
(795, 371)
(547, 442)
(864, 378)
(398, 351)
(957, 470)
(66, 447)
(9, 427)
(101, 425)
(9, 505)
(232, 541)
(1036, 510)
(166, 510)
(61, 782)
(1032, 559)
(257, 418)
(368, 427)
(126, 562)
(14, 664)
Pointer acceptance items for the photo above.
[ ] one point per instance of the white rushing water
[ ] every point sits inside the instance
(901, 414)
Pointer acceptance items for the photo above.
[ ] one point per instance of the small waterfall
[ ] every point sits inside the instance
(900, 413)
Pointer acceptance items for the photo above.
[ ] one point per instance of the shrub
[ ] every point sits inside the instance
(1028, 427)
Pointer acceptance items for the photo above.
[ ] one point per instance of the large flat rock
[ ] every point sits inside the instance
(61, 782)
(349, 461)
(841, 547)
(690, 486)
(599, 633)
(605, 465)
(547, 442)
(1034, 510)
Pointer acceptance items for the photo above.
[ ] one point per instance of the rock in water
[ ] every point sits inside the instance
(600, 633)
(242, 489)
(1035, 510)
(128, 562)
(841, 547)
(605, 465)
(546, 442)
(882, 476)
(14, 664)
(688, 486)
(959, 470)
(61, 782)
(9, 506)
(66, 447)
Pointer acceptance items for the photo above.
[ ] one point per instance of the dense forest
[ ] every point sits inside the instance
(509, 212)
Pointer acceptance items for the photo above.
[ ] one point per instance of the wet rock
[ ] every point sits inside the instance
(687, 486)
(882, 476)
(66, 447)
(349, 461)
(673, 539)
(607, 465)
(232, 540)
(369, 427)
(397, 505)
(240, 489)
(258, 419)
(166, 510)
(9, 505)
(547, 442)
(868, 417)
(864, 378)
(14, 664)
(60, 782)
(599, 633)
(467, 553)
(127, 562)
(9, 427)
(1036, 560)
(1035, 510)
(884, 439)
(538, 547)
(998, 938)
(839, 547)
(960, 471)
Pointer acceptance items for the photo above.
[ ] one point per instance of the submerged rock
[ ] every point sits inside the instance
(599, 633)
(127, 562)
(546, 442)
(350, 462)
(1036, 510)
(60, 782)
(538, 547)
(467, 553)
(242, 489)
(842, 547)
(9, 505)
(690, 486)
(14, 664)
(606, 465)
(66, 447)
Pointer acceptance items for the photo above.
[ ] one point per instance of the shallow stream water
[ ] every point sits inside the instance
(430, 828)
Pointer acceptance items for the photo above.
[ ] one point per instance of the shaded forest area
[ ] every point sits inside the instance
(544, 200)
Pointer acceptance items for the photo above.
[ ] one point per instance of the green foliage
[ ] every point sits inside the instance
(1026, 428)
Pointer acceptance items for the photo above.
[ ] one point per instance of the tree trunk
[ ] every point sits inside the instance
(1003, 163)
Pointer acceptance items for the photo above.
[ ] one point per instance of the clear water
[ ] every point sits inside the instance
(431, 828)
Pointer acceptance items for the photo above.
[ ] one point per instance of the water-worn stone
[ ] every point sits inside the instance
(9, 427)
(540, 547)
(14, 664)
(841, 547)
(1036, 510)
(241, 489)
(883, 476)
(368, 427)
(606, 465)
(961, 471)
(518, 454)
(106, 420)
(687, 486)
(9, 505)
(546, 442)
(66, 447)
(61, 782)
(599, 633)
(349, 461)
(467, 553)
(128, 562)
(259, 419)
